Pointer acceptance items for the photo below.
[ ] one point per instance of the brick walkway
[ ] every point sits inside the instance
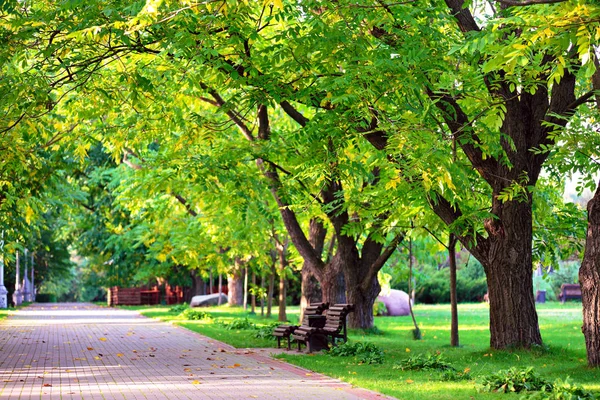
(81, 351)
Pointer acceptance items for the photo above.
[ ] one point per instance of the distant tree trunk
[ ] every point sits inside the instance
(198, 286)
(454, 340)
(271, 289)
(262, 297)
(245, 300)
(589, 278)
(220, 288)
(283, 263)
(235, 285)
(253, 295)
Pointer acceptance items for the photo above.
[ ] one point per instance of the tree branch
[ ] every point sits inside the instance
(293, 113)
(521, 3)
(463, 16)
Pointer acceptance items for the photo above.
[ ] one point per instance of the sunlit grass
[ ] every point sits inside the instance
(564, 354)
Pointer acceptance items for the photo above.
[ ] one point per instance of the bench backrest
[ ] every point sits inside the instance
(571, 288)
(336, 317)
(314, 309)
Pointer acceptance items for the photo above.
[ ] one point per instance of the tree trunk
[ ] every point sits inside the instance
(283, 263)
(589, 278)
(253, 295)
(310, 288)
(509, 271)
(235, 286)
(262, 297)
(220, 288)
(271, 290)
(454, 342)
(311, 291)
(333, 289)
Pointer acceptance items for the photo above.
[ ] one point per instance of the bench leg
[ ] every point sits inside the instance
(289, 342)
(278, 342)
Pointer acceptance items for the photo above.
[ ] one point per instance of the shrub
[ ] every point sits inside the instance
(365, 353)
(427, 362)
(193, 314)
(379, 308)
(514, 380)
(265, 331)
(452, 375)
(239, 323)
(436, 289)
(45, 298)
(563, 390)
(179, 308)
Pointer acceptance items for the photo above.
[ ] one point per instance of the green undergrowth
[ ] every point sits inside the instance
(429, 368)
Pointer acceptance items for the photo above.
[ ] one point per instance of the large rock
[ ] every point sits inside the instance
(396, 302)
(208, 300)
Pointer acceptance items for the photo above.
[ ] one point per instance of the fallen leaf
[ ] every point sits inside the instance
(407, 350)
(102, 339)
(308, 374)
(119, 354)
(467, 370)
(47, 384)
(80, 359)
(195, 382)
(90, 348)
(409, 381)
(187, 369)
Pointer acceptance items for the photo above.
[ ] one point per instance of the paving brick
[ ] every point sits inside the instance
(83, 351)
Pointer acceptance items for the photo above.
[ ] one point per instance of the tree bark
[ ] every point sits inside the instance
(454, 341)
(283, 263)
(589, 278)
(513, 317)
(271, 289)
(235, 285)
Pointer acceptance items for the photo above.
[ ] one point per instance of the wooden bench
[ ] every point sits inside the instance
(285, 331)
(569, 291)
(316, 339)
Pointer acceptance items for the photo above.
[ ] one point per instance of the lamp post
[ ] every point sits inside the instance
(17, 295)
(3, 291)
(26, 292)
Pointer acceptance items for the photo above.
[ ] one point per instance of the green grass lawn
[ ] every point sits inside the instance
(564, 354)
(3, 313)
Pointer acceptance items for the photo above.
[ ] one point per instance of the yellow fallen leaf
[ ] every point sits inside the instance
(409, 381)
(90, 348)
(119, 354)
(97, 358)
(308, 374)
(467, 370)
(80, 359)
(407, 350)
(102, 339)
(195, 382)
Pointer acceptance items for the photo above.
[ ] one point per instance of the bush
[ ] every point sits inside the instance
(193, 314)
(514, 380)
(379, 308)
(436, 288)
(45, 298)
(365, 353)
(179, 308)
(238, 323)
(563, 390)
(266, 331)
(421, 362)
